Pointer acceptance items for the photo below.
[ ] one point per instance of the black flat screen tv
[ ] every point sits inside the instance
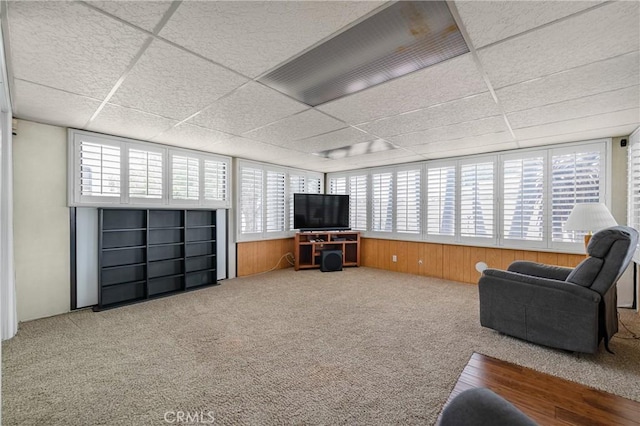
(316, 212)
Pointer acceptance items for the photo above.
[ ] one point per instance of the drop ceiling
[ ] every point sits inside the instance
(188, 74)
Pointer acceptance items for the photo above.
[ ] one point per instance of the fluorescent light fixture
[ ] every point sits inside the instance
(402, 38)
(356, 149)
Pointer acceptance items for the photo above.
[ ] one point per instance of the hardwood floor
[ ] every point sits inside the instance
(547, 399)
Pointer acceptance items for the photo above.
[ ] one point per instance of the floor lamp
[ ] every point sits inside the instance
(589, 217)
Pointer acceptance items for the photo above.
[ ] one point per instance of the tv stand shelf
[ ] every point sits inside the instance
(309, 247)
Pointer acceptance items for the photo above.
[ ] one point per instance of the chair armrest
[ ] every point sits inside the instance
(540, 270)
(517, 278)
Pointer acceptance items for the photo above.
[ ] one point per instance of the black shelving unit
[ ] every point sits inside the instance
(152, 253)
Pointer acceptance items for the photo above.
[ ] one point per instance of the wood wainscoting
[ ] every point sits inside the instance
(450, 262)
(254, 257)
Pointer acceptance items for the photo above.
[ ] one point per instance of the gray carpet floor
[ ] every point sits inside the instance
(361, 346)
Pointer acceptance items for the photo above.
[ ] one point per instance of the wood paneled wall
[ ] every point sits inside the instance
(260, 256)
(450, 262)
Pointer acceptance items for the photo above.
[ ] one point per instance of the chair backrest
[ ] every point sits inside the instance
(610, 251)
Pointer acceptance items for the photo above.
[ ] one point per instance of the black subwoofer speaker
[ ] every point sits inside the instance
(331, 261)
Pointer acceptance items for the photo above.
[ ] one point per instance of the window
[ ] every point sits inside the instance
(523, 198)
(185, 178)
(408, 201)
(266, 198)
(575, 178)
(358, 202)
(476, 200)
(382, 199)
(338, 185)
(633, 170)
(107, 170)
(441, 200)
(99, 170)
(251, 207)
(145, 174)
(275, 201)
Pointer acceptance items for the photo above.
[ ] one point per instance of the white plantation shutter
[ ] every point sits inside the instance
(338, 185)
(215, 180)
(275, 201)
(408, 201)
(382, 201)
(145, 174)
(185, 181)
(314, 185)
(633, 170)
(251, 200)
(477, 199)
(523, 198)
(296, 186)
(441, 200)
(575, 178)
(358, 202)
(99, 170)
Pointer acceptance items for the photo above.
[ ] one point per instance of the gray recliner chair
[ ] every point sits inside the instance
(571, 309)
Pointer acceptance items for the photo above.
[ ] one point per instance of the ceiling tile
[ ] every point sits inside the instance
(609, 75)
(164, 73)
(333, 140)
(396, 156)
(601, 33)
(189, 136)
(69, 46)
(473, 150)
(452, 132)
(253, 37)
(251, 106)
(446, 81)
(42, 104)
(613, 119)
(616, 100)
(480, 142)
(303, 125)
(489, 21)
(144, 14)
(605, 132)
(129, 123)
(465, 109)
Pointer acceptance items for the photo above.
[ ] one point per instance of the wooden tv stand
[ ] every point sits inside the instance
(309, 247)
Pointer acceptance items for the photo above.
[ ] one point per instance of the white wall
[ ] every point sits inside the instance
(41, 220)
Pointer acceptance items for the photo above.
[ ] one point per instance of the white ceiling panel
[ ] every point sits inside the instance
(333, 140)
(481, 141)
(490, 21)
(144, 14)
(600, 33)
(251, 106)
(473, 150)
(605, 76)
(458, 111)
(452, 132)
(69, 46)
(172, 83)
(605, 132)
(195, 137)
(130, 123)
(616, 100)
(299, 126)
(444, 82)
(253, 37)
(41, 103)
(627, 117)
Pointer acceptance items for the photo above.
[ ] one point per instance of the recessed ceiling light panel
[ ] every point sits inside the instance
(362, 148)
(404, 37)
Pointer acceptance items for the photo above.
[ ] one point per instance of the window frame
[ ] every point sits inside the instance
(76, 199)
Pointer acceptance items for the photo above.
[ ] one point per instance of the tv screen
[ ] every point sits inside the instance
(320, 212)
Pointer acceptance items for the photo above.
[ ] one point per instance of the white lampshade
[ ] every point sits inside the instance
(590, 217)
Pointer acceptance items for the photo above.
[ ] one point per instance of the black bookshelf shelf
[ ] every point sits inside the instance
(146, 253)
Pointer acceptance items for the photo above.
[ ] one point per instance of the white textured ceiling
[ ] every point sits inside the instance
(185, 74)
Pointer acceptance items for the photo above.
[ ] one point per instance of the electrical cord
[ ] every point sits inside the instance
(288, 256)
(634, 336)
